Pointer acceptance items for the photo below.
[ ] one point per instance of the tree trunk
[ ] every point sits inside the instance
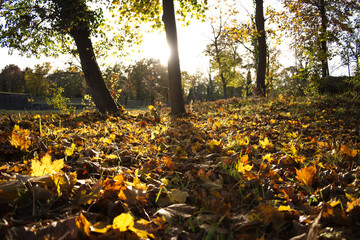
(223, 83)
(323, 42)
(100, 94)
(261, 68)
(175, 89)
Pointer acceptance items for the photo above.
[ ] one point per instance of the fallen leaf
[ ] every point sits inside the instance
(306, 175)
(45, 166)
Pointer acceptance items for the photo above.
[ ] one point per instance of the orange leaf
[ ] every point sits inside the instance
(20, 138)
(348, 151)
(306, 175)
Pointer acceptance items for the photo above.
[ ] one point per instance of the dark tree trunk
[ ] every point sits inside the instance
(223, 84)
(323, 42)
(100, 94)
(261, 68)
(175, 89)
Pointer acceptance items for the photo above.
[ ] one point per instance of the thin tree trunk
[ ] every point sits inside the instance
(100, 94)
(323, 42)
(223, 84)
(175, 89)
(261, 69)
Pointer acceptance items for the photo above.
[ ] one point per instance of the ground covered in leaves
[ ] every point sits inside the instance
(236, 169)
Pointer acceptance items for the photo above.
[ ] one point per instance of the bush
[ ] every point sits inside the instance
(58, 101)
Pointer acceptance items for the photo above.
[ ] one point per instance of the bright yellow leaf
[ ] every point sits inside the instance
(45, 166)
(335, 203)
(243, 165)
(283, 208)
(70, 151)
(265, 143)
(213, 143)
(123, 222)
(217, 124)
(268, 157)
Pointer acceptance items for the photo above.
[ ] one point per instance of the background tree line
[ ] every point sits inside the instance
(243, 55)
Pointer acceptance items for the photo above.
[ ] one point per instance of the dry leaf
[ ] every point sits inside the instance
(45, 166)
(306, 175)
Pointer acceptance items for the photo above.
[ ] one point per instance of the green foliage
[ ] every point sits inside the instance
(355, 83)
(58, 101)
(88, 102)
(315, 24)
(36, 82)
(71, 80)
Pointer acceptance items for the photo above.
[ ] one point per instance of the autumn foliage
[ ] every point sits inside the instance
(234, 169)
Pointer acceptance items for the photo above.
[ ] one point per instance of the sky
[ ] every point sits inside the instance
(191, 39)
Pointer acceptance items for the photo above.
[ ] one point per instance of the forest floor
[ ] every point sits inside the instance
(285, 168)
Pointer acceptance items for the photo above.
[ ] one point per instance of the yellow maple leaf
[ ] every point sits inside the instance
(268, 157)
(265, 143)
(213, 143)
(306, 175)
(20, 138)
(281, 97)
(137, 183)
(351, 205)
(283, 208)
(293, 150)
(243, 165)
(217, 124)
(242, 141)
(45, 166)
(123, 222)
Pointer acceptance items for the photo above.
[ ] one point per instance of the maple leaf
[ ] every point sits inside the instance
(306, 175)
(213, 143)
(123, 222)
(45, 166)
(351, 205)
(20, 138)
(243, 165)
(265, 143)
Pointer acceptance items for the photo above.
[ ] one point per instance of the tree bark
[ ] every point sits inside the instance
(100, 94)
(175, 89)
(261, 68)
(323, 41)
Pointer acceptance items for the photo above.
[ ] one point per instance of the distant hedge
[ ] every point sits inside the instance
(15, 101)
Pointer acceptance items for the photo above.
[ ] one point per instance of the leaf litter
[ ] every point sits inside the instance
(234, 169)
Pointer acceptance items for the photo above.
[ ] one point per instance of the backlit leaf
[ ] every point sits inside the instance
(45, 166)
(306, 175)
(265, 143)
(213, 143)
(20, 138)
(123, 222)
